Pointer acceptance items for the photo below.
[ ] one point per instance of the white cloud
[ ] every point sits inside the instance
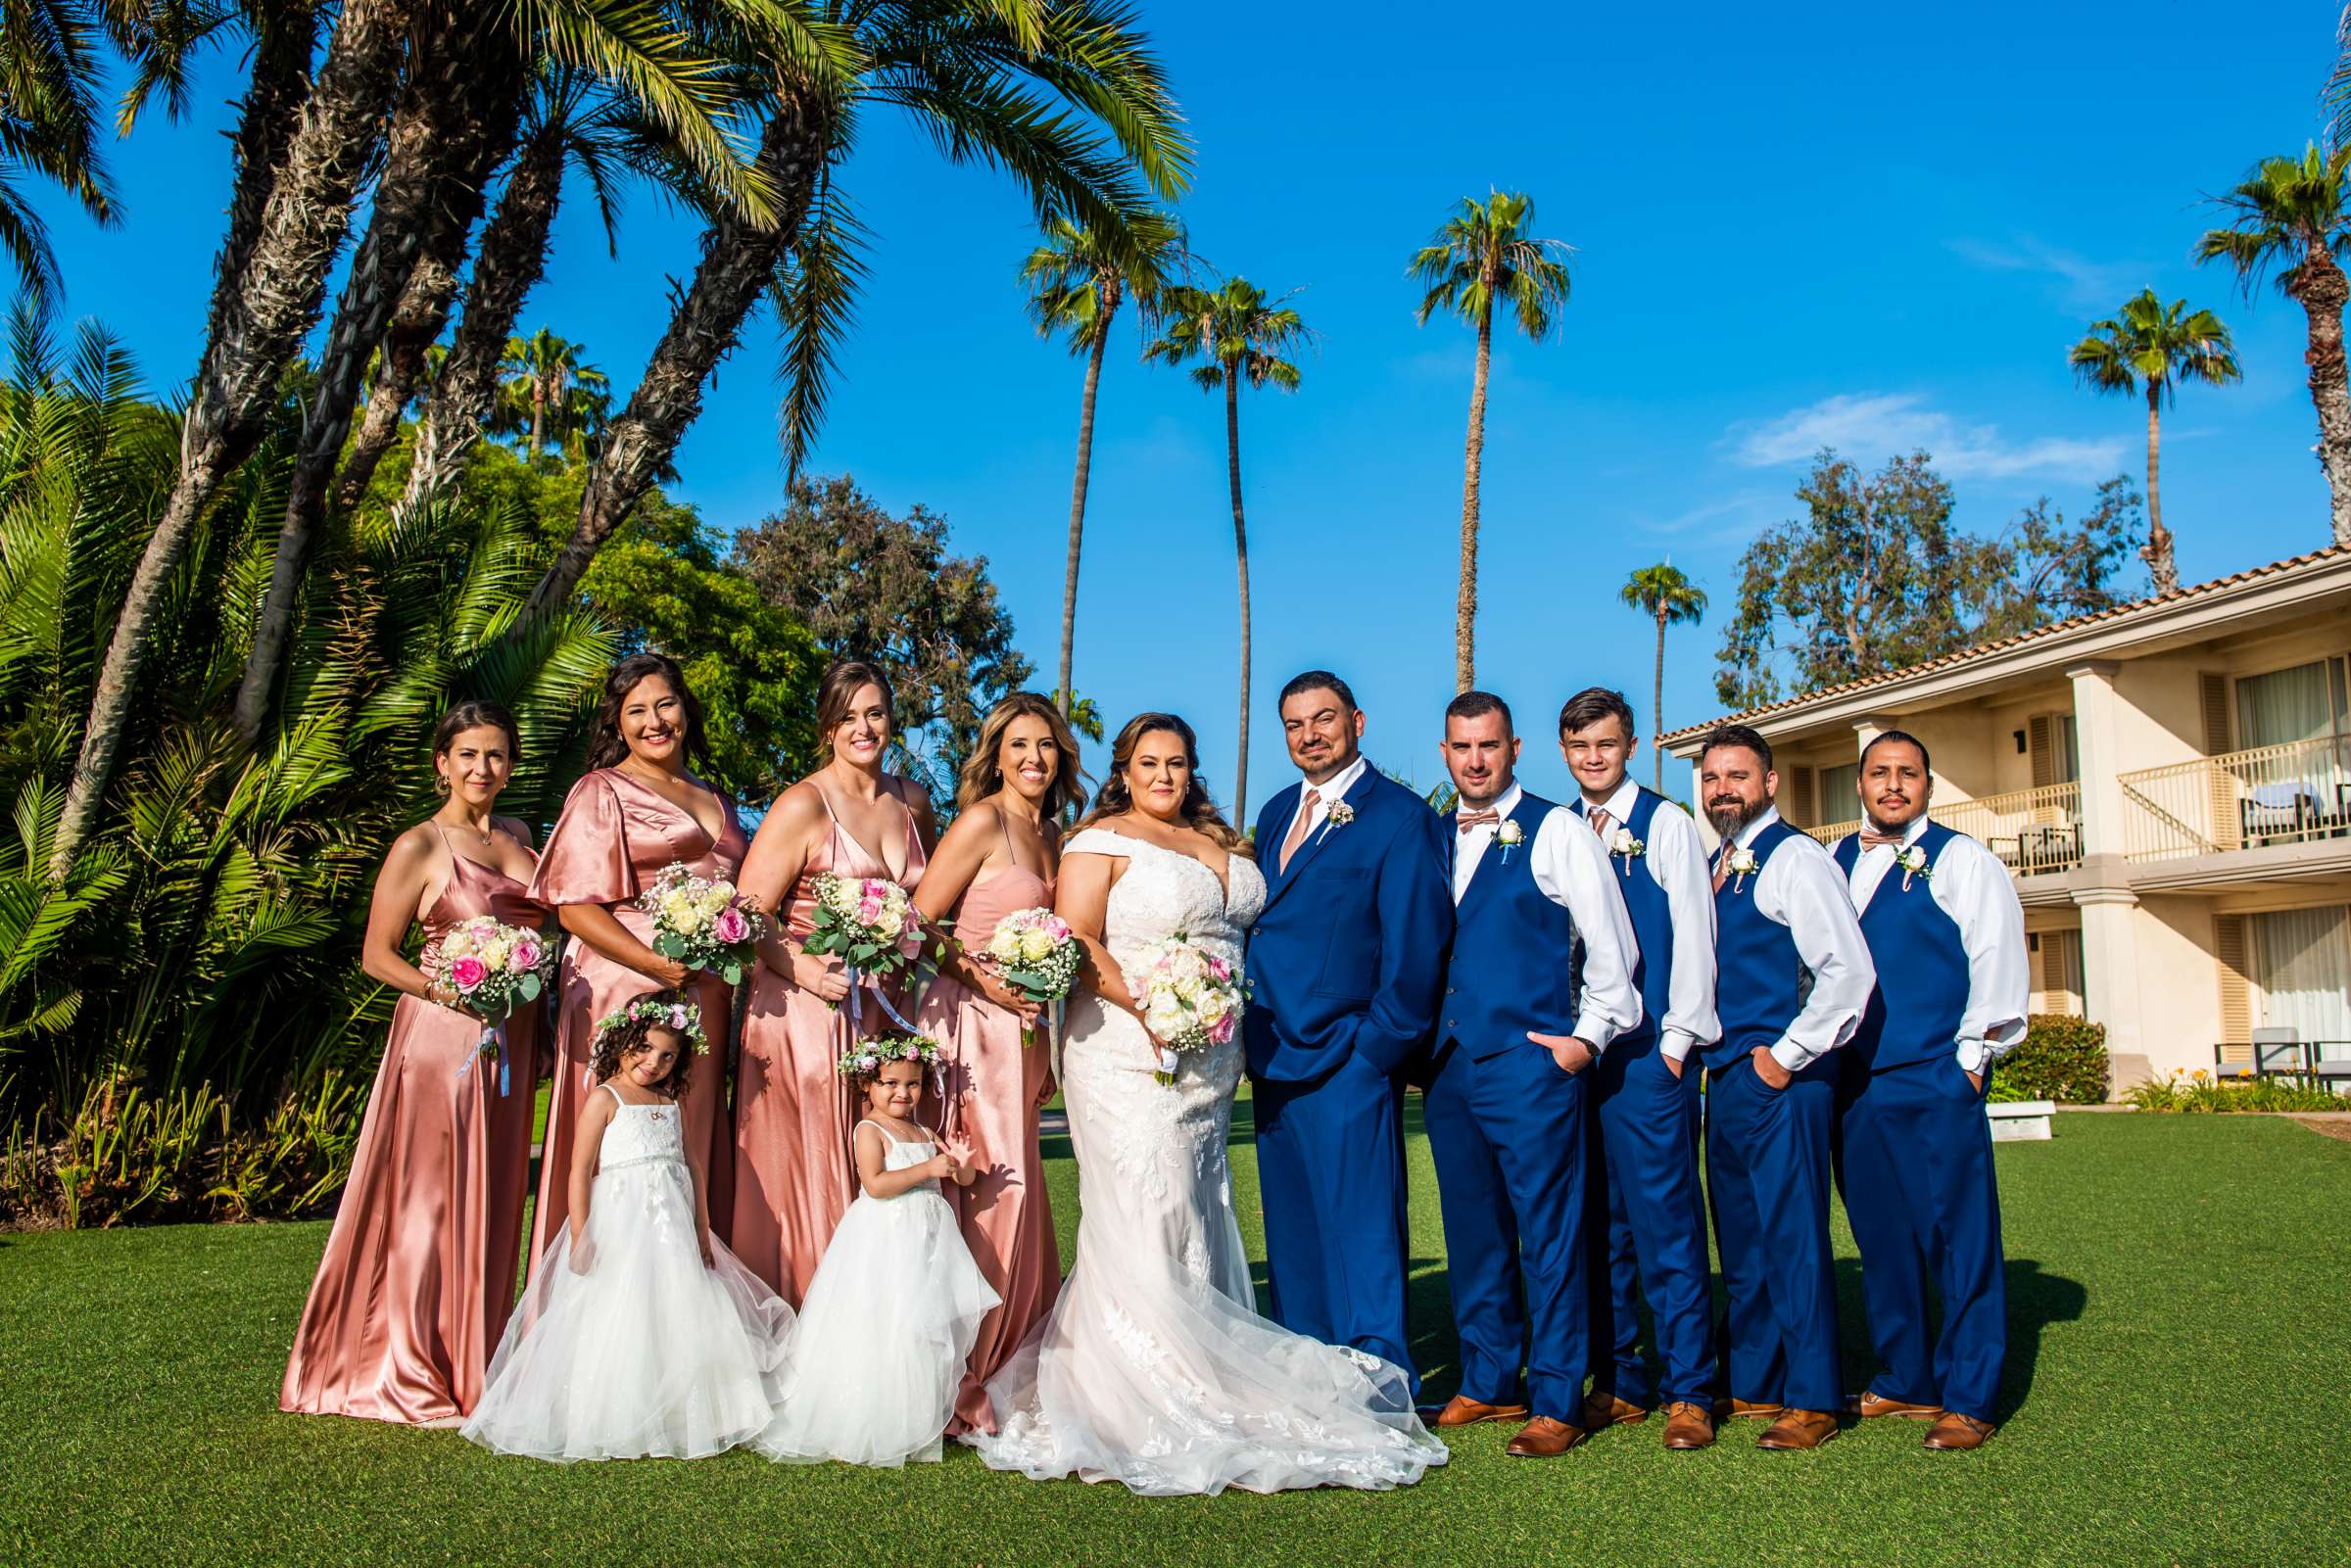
(2092, 285)
(1872, 427)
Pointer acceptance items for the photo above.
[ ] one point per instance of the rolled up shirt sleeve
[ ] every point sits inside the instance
(1801, 888)
(1572, 871)
(1975, 889)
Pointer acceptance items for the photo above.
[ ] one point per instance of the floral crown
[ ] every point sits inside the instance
(870, 1056)
(682, 1017)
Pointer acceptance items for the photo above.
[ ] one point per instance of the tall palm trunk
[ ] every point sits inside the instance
(399, 366)
(2162, 571)
(506, 268)
(455, 124)
(271, 114)
(1240, 551)
(738, 261)
(537, 414)
(1086, 465)
(2320, 287)
(283, 283)
(1656, 709)
(1464, 609)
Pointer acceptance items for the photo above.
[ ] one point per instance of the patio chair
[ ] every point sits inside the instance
(2331, 1072)
(2278, 1052)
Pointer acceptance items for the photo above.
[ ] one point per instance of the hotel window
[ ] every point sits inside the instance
(1840, 793)
(2055, 748)
(2056, 972)
(2301, 960)
(2287, 706)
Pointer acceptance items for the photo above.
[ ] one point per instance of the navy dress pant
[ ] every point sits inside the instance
(1767, 1173)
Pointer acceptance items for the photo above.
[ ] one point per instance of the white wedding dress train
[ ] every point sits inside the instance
(1153, 1368)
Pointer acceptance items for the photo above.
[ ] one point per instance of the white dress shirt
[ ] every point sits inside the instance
(1572, 873)
(1973, 887)
(1677, 859)
(1324, 793)
(1802, 888)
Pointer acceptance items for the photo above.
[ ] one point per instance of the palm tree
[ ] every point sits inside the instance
(2150, 348)
(1236, 334)
(1480, 255)
(1064, 95)
(1662, 592)
(2293, 213)
(49, 80)
(1077, 280)
(550, 388)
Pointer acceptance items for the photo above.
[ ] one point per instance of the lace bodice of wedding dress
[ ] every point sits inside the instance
(1154, 1369)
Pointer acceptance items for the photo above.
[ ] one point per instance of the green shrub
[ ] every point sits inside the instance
(2061, 1058)
(2201, 1092)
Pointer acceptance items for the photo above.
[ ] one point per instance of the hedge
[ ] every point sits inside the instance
(2061, 1058)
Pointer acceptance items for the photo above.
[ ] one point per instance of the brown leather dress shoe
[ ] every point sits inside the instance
(1544, 1438)
(1872, 1405)
(1688, 1426)
(1605, 1411)
(1747, 1410)
(1798, 1429)
(1462, 1411)
(1953, 1431)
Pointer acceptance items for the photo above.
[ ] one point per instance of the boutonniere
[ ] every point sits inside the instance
(1914, 861)
(1510, 835)
(1626, 845)
(1742, 866)
(1338, 817)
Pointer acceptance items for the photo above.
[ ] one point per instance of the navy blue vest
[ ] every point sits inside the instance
(1516, 964)
(1759, 979)
(1915, 943)
(1652, 922)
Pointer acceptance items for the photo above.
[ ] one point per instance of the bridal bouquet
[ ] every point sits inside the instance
(701, 921)
(870, 924)
(1191, 998)
(1037, 955)
(494, 968)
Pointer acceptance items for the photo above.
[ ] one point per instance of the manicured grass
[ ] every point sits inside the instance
(2176, 1394)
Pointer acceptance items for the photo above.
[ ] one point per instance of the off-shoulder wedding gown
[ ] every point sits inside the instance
(1153, 1367)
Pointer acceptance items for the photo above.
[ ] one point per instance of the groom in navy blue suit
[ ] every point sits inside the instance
(1347, 961)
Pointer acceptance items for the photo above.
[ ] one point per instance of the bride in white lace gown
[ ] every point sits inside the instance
(1154, 1369)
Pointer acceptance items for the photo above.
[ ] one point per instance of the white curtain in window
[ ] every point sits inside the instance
(2302, 965)
(1840, 801)
(2284, 706)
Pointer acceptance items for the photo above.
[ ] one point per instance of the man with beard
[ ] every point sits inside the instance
(1793, 976)
(1940, 913)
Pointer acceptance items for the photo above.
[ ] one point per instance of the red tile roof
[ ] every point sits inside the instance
(1969, 656)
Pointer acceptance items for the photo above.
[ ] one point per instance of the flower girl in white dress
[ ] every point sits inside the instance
(873, 1365)
(641, 1333)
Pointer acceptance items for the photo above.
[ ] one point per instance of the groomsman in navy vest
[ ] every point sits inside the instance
(1523, 1023)
(1793, 976)
(1647, 1225)
(1944, 927)
(1346, 961)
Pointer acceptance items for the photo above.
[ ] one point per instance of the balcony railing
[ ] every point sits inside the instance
(2033, 830)
(2284, 795)
(1828, 832)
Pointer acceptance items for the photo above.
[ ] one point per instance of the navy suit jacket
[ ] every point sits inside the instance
(1348, 956)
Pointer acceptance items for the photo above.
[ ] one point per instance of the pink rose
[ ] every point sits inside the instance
(1219, 969)
(731, 927)
(870, 911)
(468, 972)
(524, 955)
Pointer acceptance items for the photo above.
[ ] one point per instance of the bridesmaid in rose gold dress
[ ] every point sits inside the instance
(1000, 856)
(793, 1174)
(419, 1277)
(634, 813)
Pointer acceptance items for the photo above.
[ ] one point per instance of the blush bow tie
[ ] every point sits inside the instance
(1871, 841)
(1477, 818)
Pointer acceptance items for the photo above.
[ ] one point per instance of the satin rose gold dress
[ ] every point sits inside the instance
(793, 1174)
(614, 840)
(419, 1277)
(993, 1083)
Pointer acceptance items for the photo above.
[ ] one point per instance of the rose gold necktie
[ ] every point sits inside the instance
(1476, 819)
(1600, 824)
(1722, 865)
(1298, 828)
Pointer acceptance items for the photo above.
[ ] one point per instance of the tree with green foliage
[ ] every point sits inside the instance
(2056, 570)
(49, 81)
(1077, 280)
(1666, 596)
(2293, 214)
(551, 392)
(2146, 349)
(1482, 256)
(870, 584)
(1232, 334)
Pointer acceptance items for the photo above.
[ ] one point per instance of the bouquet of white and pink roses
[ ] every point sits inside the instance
(494, 968)
(1036, 954)
(702, 922)
(1191, 998)
(869, 924)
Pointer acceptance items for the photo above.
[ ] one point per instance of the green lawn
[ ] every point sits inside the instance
(2176, 1390)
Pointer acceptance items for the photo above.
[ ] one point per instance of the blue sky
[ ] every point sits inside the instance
(1871, 226)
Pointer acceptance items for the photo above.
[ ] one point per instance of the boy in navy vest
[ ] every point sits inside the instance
(1792, 977)
(1946, 931)
(1522, 1025)
(1647, 1219)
